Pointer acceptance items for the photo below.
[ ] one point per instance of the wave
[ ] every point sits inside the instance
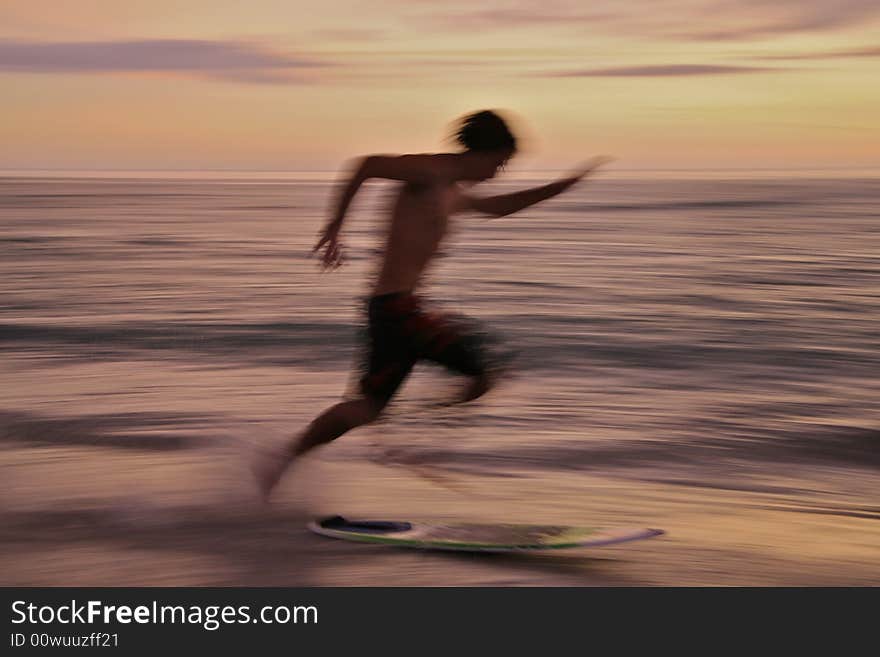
(732, 452)
(674, 205)
(300, 343)
(145, 431)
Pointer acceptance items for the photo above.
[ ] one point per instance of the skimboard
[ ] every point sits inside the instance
(474, 537)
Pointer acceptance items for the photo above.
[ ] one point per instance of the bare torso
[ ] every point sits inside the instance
(419, 222)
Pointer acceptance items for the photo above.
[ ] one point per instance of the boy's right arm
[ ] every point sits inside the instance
(418, 169)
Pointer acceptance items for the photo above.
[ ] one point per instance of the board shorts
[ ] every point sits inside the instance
(401, 332)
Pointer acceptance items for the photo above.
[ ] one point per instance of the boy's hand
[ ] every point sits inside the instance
(332, 257)
(588, 167)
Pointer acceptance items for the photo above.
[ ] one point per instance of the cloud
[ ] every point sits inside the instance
(506, 17)
(832, 54)
(461, 16)
(356, 34)
(225, 60)
(765, 18)
(742, 19)
(670, 70)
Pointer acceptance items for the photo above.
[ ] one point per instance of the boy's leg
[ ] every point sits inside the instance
(334, 422)
(460, 348)
(388, 363)
(328, 426)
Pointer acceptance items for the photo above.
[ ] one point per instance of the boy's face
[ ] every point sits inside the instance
(490, 162)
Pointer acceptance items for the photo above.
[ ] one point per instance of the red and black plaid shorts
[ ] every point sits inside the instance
(402, 332)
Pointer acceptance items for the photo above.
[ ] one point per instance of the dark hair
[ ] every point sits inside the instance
(484, 131)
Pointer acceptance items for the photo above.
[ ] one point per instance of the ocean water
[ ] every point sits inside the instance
(696, 354)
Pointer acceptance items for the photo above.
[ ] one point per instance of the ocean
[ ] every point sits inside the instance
(697, 353)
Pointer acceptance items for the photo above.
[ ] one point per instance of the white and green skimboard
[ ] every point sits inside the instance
(474, 537)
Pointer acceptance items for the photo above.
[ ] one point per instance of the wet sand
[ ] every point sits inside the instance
(154, 519)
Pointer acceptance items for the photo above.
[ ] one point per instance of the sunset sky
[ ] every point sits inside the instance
(290, 85)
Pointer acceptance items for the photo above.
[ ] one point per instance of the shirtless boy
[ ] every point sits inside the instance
(401, 330)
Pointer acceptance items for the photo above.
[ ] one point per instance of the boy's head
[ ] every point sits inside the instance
(486, 138)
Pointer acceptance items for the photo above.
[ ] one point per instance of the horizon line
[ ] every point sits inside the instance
(4, 170)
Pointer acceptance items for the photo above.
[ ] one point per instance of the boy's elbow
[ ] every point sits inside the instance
(369, 166)
(497, 213)
(488, 208)
(365, 167)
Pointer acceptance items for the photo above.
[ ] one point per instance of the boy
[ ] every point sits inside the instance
(401, 330)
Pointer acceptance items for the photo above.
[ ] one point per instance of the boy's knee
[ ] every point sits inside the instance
(369, 409)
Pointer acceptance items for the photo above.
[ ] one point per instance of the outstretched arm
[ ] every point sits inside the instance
(505, 204)
(419, 169)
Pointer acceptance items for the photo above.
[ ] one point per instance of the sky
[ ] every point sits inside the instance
(284, 85)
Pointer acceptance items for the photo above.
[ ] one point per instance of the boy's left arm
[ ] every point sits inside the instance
(505, 204)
